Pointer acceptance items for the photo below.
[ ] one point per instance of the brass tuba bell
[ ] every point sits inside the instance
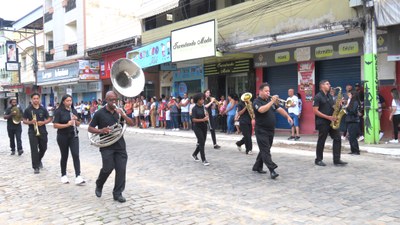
(246, 98)
(127, 78)
(18, 115)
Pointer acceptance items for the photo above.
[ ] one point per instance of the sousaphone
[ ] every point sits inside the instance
(128, 80)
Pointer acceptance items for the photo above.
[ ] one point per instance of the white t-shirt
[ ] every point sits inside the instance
(295, 110)
(397, 107)
(185, 108)
(168, 115)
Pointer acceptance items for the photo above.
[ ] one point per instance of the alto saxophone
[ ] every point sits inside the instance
(338, 111)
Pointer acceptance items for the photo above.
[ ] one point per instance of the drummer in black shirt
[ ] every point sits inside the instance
(66, 121)
(114, 156)
(199, 121)
(37, 138)
(265, 107)
(323, 110)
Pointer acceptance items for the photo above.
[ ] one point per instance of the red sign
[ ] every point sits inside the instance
(109, 60)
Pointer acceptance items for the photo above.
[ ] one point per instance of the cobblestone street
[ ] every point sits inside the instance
(165, 186)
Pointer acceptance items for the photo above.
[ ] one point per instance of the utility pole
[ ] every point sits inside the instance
(371, 115)
(35, 62)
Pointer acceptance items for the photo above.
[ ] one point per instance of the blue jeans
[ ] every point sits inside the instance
(230, 123)
(174, 117)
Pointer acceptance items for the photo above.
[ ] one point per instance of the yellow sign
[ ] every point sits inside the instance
(282, 57)
(381, 40)
(324, 51)
(348, 48)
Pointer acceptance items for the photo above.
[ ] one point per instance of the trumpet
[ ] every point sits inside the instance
(35, 126)
(214, 100)
(280, 101)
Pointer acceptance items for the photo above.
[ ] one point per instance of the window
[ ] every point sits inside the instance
(150, 23)
(48, 17)
(72, 50)
(70, 5)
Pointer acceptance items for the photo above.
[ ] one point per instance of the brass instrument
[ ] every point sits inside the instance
(338, 111)
(208, 121)
(289, 103)
(75, 128)
(280, 101)
(35, 126)
(128, 80)
(17, 117)
(246, 98)
(214, 100)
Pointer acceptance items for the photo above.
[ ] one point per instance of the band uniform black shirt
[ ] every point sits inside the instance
(41, 115)
(266, 120)
(325, 103)
(10, 123)
(63, 116)
(104, 118)
(245, 117)
(198, 113)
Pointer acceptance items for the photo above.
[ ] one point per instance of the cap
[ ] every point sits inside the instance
(357, 85)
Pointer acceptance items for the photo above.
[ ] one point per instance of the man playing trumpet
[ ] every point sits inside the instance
(292, 104)
(36, 116)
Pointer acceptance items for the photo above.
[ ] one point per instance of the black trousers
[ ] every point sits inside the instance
(201, 135)
(38, 148)
(222, 123)
(396, 122)
(246, 129)
(264, 141)
(323, 131)
(354, 132)
(212, 130)
(15, 133)
(113, 159)
(67, 142)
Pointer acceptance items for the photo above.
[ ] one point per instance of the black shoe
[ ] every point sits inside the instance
(297, 138)
(36, 171)
(340, 163)
(217, 146)
(195, 158)
(291, 137)
(239, 146)
(98, 191)
(320, 163)
(20, 152)
(260, 171)
(120, 199)
(356, 153)
(274, 174)
(12, 152)
(41, 165)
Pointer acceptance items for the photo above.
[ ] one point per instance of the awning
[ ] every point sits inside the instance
(155, 7)
(387, 12)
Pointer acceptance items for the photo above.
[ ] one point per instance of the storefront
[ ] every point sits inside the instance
(188, 80)
(235, 77)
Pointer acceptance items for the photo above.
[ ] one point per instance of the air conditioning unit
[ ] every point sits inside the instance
(169, 17)
(355, 3)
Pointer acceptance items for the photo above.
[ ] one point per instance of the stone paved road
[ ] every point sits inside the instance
(164, 186)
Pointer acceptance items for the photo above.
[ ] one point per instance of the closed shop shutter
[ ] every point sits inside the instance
(281, 79)
(339, 72)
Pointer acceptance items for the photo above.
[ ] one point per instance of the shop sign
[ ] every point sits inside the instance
(281, 57)
(324, 51)
(11, 94)
(188, 73)
(197, 41)
(168, 66)
(240, 66)
(302, 54)
(306, 78)
(12, 66)
(153, 54)
(260, 60)
(348, 48)
(89, 69)
(58, 74)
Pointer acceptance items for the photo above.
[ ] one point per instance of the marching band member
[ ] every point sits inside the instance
(14, 129)
(264, 109)
(115, 155)
(207, 104)
(66, 121)
(36, 116)
(199, 121)
(245, 126)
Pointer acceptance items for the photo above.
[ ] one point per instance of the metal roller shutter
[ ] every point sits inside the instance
(281, 79)
(339, 72)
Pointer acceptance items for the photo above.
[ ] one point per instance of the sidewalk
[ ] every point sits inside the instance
(307, 142)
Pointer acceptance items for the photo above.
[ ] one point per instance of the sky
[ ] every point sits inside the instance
(15, 9)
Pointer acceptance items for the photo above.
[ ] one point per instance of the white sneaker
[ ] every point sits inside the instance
(361, 138)
(380, 135)
(79, 180)
(64, 179)
(394, 141)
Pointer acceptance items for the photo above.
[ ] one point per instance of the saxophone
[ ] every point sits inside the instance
(338, 111)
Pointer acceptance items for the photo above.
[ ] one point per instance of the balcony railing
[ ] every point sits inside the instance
(49, 57)
(72, 49)
(70, 5)
(48, 17)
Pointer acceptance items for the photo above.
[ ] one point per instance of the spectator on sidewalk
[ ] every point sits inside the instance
(352, 121)
(395, 115)
(293, 110)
